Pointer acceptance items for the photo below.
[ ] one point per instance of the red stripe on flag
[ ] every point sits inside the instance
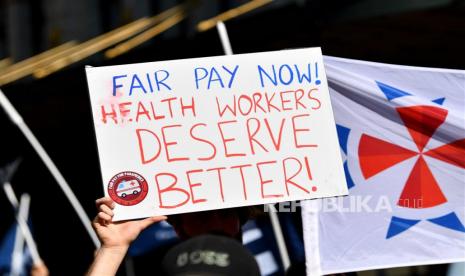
(422, 121)
(376, 155)
(452, 153)
(421, 189)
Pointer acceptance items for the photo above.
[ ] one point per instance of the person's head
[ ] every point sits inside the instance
(208, 255)
(225, 222)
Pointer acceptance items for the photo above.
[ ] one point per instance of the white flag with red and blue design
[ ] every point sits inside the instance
(402, 136)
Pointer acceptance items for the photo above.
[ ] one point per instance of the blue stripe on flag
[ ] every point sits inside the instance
(439, 101)
(343, 135)
(399, 225)
(450, 221)
(350, 182)
(391, 92)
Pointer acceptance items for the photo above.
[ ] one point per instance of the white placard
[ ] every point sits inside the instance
(218, 132)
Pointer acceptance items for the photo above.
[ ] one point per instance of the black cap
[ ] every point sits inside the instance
(210, 255)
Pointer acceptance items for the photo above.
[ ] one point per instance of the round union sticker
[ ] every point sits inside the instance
(127, 188)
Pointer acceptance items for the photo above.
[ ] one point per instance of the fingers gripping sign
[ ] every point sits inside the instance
(121, 233)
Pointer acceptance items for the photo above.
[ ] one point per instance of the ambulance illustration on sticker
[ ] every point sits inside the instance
(127, 188)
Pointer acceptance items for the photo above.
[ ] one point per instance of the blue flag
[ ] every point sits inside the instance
(259, 238)
(6, 255)
(159, 234)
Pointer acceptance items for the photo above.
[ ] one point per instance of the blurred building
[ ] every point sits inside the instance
(28, 27)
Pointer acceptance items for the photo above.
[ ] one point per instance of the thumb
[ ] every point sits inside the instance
(149, 221)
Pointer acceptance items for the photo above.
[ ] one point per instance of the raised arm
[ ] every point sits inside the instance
(115, 237)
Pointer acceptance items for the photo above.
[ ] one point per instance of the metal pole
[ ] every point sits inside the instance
(273, 215)
(19, 122)
(22, 223)
(18, 250)
(224, 38)
(278, 233)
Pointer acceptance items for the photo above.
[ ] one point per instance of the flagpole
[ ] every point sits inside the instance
(19, 122)
(22, 223)
(223, 33)
(224, 38)
(18, 250)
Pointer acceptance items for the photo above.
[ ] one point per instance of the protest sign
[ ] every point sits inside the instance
(218, 132)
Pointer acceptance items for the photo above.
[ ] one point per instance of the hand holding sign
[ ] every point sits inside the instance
(118, 234)
(211, 133)
(115, 237)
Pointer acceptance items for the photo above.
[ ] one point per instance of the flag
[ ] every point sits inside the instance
(293, 238)
(402, 137)
(258, 238)
(8, 264)
(157, 235)
(7, 171)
